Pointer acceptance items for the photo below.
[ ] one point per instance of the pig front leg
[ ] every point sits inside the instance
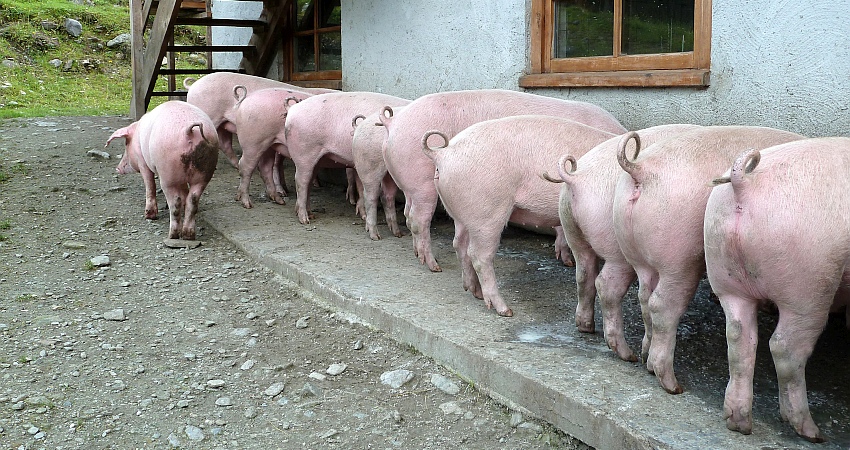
(252, 152)
(562, 250)
(612, 283)
(267, 167)
(150, 192)
(389, 190)
(225, 139)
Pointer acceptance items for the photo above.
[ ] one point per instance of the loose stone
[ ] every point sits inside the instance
(274, 389)
(215, 384)
(247, 365)
(444, 384)
(396, 378)
(194, 433)
(336, 369)
(100, 261)
(302, 322)
(115, 314)
(223, 401)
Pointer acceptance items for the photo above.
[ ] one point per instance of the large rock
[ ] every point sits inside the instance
(122, 40)
(73, 27)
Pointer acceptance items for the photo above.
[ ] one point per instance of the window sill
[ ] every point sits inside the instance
(642, 78)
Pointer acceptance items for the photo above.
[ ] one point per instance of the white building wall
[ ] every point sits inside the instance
(230, 9)
(783, 64)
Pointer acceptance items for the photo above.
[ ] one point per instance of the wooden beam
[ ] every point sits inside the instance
(137, 53)
(161, 30)
(634, 78)
(268, 43)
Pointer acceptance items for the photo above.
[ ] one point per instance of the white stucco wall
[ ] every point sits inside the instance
(230, 9)
(784, 64)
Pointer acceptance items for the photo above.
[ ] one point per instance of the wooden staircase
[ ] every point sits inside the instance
(156, 19)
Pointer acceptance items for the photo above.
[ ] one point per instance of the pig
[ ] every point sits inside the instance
(658, 208)
(585, 203)
(261, 116)
(213, 94)
(175, 141)
(451, 112)
(320, 127)
(775, 231)
(489, 174)
(367, 150)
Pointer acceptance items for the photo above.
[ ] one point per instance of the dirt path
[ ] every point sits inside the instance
(198, 348)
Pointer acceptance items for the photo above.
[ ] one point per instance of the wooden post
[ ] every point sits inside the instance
(137, 52)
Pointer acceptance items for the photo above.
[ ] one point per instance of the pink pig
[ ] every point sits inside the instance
(261, 116)
(489, 174)
(320, 127)
(170, 141)
(213, 93)
(778, 233)
(659, 204)
(367, 150)
(451, 112)
(585, 205)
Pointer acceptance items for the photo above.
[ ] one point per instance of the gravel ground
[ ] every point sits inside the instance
(109, 339)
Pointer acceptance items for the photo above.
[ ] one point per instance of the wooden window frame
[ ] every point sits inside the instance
(656, 70)
(320, 78)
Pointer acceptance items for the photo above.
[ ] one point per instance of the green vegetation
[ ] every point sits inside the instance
(89, 266)
(6, 224)
(97, 82)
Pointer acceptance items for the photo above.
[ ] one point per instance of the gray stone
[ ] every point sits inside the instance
(57, 63)
(250, 412)
(100, 261)
(194, 433)
(73, 245)
(215, 384)
(9, 63)
(451, 408)
(120, 40)
(173, 440)
(115, 314)
(336, 369)
(49, 25)
(396, 378)
(516, 419)
(98, 153)
(274, 389)
(223, 401)
(69, 64)
(311, 390)
(73, 27)
(180, 243)
(444, 384)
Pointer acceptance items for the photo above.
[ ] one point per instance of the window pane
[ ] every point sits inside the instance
(304, 15)
(583, 28)
(305, 54)
(330, 51)
(657, 26)
(330, 14)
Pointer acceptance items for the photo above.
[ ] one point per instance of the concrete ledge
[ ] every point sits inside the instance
(536, 362)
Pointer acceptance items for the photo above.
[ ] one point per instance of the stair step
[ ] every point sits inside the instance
(168, 94)
(211, 48)
(213, 22)
(196, 71)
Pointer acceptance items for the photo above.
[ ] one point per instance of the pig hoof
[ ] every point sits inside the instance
(506, 313)
(586, 327)
(676, 390)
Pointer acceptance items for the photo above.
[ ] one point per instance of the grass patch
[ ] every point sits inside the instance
(6, 224)
(89, 266)
(98, 80)
(23, 298)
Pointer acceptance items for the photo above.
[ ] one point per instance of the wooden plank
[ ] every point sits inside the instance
(650, 78)
(212, 48)
(137, 56)
(535, 52)
(212, 22)
(196, 71)
(702, 34)
(163, 25)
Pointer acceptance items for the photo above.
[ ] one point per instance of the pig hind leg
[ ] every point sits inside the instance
(175, 196)
(225, 139)
(741, 341)
(647, 279)
(461, 245)
(612, 283)
(483, 244)
(667, 304)
(587, 268)
(191, 211)
(791, 345)
(419, 216)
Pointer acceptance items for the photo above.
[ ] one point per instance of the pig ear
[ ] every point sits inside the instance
(125, 133)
